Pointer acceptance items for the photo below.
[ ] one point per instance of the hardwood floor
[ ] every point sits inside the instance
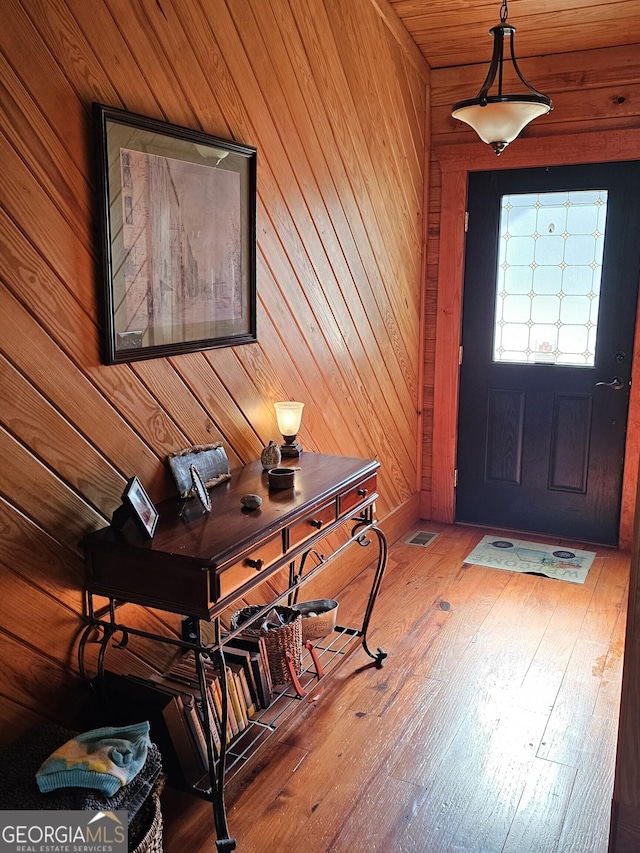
(491, 727)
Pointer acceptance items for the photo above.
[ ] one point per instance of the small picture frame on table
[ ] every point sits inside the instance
(137, 509)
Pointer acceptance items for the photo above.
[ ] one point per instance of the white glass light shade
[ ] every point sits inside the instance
(289, 416)
(499, 122)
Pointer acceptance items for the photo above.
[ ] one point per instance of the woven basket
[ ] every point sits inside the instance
(152, 840)
(278, 641)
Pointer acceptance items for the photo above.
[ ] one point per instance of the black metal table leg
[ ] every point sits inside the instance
(216, 763)
(381, 654)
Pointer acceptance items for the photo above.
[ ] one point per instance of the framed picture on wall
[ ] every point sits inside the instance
(178, 225)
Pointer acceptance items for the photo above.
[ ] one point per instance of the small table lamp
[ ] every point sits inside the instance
(289, 416)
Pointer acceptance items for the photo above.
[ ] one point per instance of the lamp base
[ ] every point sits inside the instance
(290, 450)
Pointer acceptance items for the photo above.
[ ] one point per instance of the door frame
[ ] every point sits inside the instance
(455, 162)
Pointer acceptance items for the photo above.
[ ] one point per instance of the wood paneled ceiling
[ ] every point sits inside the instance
(456, 32)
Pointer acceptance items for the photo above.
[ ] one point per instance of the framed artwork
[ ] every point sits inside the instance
(137, 505)
(178, 226)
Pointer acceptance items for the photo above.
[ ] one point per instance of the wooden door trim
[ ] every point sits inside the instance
(455, 162)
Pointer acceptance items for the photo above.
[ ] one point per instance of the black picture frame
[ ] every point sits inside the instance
(138, 507)
(178, 233)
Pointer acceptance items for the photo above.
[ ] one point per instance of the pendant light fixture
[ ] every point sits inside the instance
(498, 119)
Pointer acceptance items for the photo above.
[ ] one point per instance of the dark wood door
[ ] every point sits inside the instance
(551, 280)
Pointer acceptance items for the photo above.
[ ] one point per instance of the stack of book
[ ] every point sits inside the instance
(175, 707)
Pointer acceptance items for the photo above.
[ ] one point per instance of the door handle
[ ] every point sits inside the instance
(616, 383)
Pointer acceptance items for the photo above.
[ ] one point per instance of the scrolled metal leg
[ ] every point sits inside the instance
(108, 632)
(84, 639)
(296, 576)
(380, 655)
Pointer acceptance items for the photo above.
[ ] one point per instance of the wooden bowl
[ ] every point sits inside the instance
(281, 478)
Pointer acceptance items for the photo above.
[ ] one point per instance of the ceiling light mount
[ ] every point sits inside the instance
(499, 118)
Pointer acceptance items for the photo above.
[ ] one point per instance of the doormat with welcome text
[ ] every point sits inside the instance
(518, 555)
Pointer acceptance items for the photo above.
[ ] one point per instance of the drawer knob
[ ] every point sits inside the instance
(315, 522)
(254, 564)
(363, 492)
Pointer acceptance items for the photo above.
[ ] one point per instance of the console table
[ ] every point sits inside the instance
(198, 564)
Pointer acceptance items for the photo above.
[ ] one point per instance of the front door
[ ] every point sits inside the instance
(551, 281)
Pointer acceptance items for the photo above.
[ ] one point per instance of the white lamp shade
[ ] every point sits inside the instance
(500, 122)
(289, 416)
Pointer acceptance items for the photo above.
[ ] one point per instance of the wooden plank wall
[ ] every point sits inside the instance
(335, 98)
(595, 90)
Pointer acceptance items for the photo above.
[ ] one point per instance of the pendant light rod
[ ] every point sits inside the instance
(496, 67)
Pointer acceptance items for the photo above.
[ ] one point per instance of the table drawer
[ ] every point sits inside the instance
(233, 577)
(351, 499)
(306, 528)
(153, 580)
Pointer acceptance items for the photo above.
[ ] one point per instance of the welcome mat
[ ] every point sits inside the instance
(518, 555)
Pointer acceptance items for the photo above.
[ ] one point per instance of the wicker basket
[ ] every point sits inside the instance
(152, 840)
(278, 641)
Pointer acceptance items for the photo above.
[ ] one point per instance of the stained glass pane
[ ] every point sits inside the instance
(548, 277)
